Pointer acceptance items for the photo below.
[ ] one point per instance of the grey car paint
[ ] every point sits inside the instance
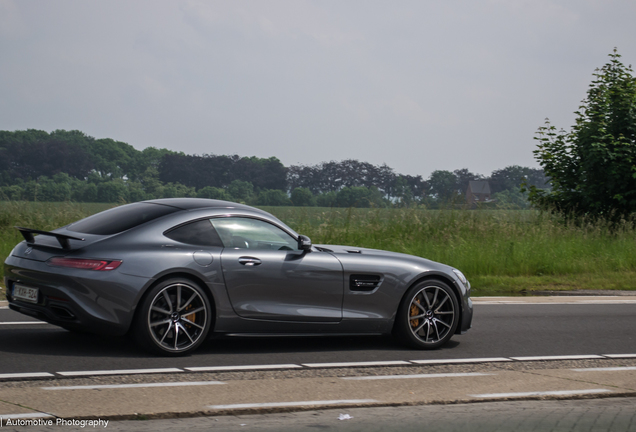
(285, 285)
(292, 292)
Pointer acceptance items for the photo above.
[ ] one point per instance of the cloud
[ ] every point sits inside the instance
(421, 85)
(11, 22)
(274, 19)
(406, 107)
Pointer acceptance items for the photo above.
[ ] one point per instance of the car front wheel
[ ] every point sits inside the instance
(428, 315)
(174, 318)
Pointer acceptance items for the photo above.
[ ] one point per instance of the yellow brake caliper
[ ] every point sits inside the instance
(190, 317)
(413, 312)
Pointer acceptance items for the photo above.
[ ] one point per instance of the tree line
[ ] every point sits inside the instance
(69, 165)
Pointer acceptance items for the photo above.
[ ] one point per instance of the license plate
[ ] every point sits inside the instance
(21, 292)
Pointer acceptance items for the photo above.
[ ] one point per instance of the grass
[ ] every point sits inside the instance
(500, 251)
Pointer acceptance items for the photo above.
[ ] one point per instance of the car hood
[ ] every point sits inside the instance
(340, 250)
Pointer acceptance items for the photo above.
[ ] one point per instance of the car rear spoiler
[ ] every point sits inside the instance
(63, 239)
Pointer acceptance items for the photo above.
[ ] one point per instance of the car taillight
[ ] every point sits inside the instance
(85, 264)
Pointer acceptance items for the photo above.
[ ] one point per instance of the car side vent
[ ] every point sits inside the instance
(323, 249)
(354, 251)
(358, 282)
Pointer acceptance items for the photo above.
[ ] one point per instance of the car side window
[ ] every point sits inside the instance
(246, 233)
(199, 233)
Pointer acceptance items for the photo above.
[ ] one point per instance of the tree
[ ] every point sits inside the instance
(111, 191)
(334, 176)
(359, 196)
(31, 154)
(112, 159)
(327, 199)
(148, 158)
(408, 190)
(512, 177)
(302, 197)
(150, 182)
(177, 190)
(273, 197)
(85, 192)
(211, 192)
(11, 193)
(240, 191)
(593, 167)
(402, 193)
(511, 199)
(262, 173)
(443, 185)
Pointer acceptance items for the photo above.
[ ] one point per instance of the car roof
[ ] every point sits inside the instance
(196, 204)
(199, 203)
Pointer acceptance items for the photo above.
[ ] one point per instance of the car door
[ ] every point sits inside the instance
(267, 277)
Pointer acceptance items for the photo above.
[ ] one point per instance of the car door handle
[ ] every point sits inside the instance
(249, 261)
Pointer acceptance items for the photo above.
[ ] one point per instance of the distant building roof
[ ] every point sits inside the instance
(479, 186)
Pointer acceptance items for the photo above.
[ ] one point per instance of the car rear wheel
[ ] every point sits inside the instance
(174, 318)
(428, 315)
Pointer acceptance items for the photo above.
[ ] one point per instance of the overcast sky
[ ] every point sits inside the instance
(419, 85)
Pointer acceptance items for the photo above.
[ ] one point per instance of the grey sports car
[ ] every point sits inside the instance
(174, 271)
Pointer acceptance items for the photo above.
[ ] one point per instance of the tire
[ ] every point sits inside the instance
(428, 315)
(174, 318)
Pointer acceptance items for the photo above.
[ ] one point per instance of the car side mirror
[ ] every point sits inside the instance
(304, 243)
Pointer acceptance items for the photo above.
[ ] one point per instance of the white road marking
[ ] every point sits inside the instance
(619, 356)
(467, 360)
(508, 301)
(606, 369)
(314, 365)
(616, 301)
(125, 386)
(24, 416)
(233, 368)
(120, 372)
(355, 364)
(440, 375)
(23, 322)
(545, 393)
(27, 375)
(501, 302)
(563, 357)
(291, 404)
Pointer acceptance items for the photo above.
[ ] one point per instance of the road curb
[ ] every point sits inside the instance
(292, 409)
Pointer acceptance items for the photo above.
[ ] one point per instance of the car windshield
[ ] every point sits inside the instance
(121, 218)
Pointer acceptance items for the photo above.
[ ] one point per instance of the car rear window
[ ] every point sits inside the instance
(199, 233)
(121, 218)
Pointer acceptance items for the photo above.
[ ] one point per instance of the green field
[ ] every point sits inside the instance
(500, 251)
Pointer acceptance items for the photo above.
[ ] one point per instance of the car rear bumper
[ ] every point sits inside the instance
(76, 299)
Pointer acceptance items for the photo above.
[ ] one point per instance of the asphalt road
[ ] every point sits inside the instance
(499, 330)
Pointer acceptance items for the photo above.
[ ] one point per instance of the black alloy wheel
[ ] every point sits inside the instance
(174, 318)
(428, 315)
